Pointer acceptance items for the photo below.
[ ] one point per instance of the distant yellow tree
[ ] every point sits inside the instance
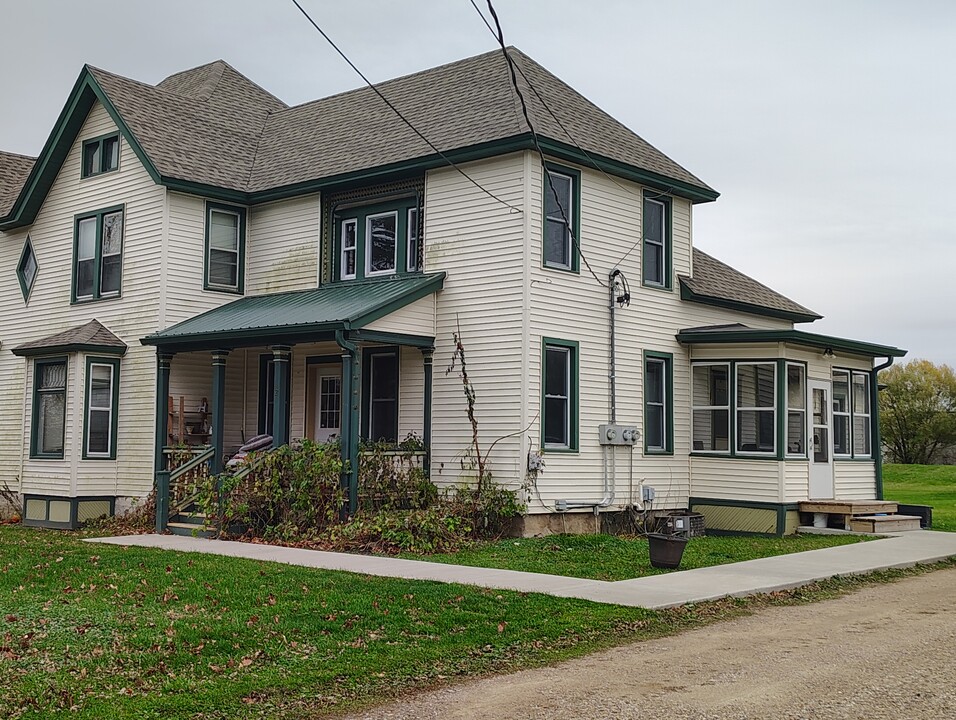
(918, 410)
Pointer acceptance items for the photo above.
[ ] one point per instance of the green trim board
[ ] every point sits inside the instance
(574, 239)
(689, 295)
(666, 241)
(101, 163)
(741, 334)
(96, 291)
(360, 214)
(572, 388)
(240, 214)
(114, 365)
(300, 316)
(38, 365)
(71, 348)
(667, 360)
(27, 283)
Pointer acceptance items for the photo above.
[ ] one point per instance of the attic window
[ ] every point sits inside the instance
(100, 155)
(27, 269)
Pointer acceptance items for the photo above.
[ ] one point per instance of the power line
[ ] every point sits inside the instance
(398, 112)
(534, 137)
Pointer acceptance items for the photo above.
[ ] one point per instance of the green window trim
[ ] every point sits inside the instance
(369, 360)
(38, 366)
(793, 450)
(666, 360)
(27, 277)
(100, 155)
(357, 252)
(852, 415)
(239, 212)
(89, 408)
(572, 390)
(574, 238)
(97, 276)
(665, 242)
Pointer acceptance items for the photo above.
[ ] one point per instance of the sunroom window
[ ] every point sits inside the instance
(851, 414)
(756, 403)
(711, 411)
(796, 410)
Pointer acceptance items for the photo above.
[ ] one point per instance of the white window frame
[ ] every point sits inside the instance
(728, 408)
(848, 413)
(109, 409)
(368, 245)
(802, 411)
(412, 241)
(345, 249)
(90, 259)
(738, 408)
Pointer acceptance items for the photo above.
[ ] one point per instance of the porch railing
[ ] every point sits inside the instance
(176, 486)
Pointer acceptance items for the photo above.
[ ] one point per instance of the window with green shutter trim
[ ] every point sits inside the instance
(559, 394)
(225, 248)
(101, 408)
(658, 402)
(656, 234)
(101, 155)
(49, 408)
(98, 255)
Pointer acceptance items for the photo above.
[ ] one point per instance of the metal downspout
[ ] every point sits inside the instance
(876, 439)
(349, 430)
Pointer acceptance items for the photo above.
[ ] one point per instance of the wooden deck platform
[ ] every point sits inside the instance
(862, 515)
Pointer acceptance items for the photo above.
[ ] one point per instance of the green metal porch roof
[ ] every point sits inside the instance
(735, 334)
(296, 316)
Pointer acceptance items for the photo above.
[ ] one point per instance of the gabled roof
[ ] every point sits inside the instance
(301, 315)
(738, 333)
(213, 131)
(14, 170)
(91, 337)
(716, 283)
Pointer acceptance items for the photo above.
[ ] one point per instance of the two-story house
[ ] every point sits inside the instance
(198, 262)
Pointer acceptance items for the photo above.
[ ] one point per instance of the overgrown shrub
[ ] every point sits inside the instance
(292, 492)
(425, 530)
(391, 477)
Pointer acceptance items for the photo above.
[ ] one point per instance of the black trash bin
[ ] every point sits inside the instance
(666, 550)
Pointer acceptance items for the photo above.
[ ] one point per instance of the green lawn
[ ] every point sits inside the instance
(924, 485)
(607, 557)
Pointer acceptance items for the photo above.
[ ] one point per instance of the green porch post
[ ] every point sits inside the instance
(351, 397)
(218, 408)
(163, 367)
(281, 357)
(427, 354)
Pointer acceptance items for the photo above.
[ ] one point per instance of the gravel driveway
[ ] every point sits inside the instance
(888, 651)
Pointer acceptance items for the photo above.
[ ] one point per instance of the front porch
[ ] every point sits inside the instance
(342, 362)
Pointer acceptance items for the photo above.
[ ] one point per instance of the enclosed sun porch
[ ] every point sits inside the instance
(347, 362)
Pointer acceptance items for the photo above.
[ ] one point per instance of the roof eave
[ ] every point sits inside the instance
(792, 337)
(70, 348)
(687, 294)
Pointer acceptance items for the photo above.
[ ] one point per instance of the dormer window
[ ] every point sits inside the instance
(101, 155)
(380, 240)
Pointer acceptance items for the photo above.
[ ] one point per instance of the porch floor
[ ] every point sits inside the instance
(872, 516)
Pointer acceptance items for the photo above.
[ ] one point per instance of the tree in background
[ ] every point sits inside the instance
(918, 410)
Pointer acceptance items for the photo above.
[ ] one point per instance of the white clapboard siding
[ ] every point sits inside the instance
(282, 246)
(130, 317)
(417, 318)
(854, 479)
(736, 479)
(479, 242)
(796, 480)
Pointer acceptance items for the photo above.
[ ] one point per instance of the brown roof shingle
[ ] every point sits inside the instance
(14, 170)
(91, 336)
(714, 280)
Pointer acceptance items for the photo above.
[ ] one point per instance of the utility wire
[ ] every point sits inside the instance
(594, 163)
(534, 137)
(398, 112)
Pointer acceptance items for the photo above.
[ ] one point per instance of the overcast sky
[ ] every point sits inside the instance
(827, 127)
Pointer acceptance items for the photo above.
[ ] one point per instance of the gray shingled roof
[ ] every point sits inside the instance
(91, 336)
(714, 280)
(14, 170)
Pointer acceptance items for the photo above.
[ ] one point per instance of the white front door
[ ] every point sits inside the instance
(821, 441)
(328, 406)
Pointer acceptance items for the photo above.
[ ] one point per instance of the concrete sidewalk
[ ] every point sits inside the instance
(657, 591)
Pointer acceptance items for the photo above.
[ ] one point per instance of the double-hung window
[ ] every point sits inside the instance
(756, 407)
(561, 212)
(413, 259)
(98, 255)
(559, 426)
(101, 155)
(711, 407)
(796, 410)
(49, 408)
(225, 247)
(656, 246)
(851, 414)
(102, 401)
(658, 403)
(349, 249)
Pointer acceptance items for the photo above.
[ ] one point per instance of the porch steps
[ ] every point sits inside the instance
(872, 516)
(190, 524)
(884, 523)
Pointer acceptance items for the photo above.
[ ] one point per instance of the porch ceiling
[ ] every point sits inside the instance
(295, 316)
(736, 334)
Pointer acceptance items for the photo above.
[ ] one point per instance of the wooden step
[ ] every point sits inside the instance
(884, 523)
(848, 507)
(193, 530)
(193, 518)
